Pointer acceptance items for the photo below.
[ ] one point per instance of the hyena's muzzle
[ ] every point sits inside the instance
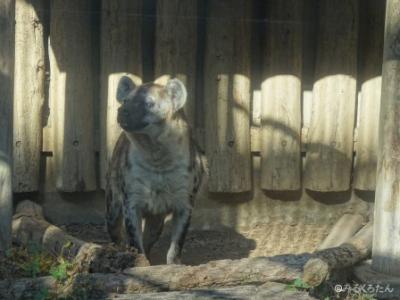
(131, 115)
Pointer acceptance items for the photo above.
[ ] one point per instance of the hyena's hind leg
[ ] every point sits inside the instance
(152, 230)
(114, 219)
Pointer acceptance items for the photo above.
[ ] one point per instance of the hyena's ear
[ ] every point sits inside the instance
(177, 91)
(125, 86)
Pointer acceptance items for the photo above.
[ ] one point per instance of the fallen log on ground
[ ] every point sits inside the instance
(270, 291)
(343, 229)
(323, 262)
(222, 273)
(30, 228)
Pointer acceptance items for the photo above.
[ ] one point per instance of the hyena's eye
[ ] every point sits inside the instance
(150, 104)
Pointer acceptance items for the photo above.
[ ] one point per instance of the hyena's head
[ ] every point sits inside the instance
(146, 107)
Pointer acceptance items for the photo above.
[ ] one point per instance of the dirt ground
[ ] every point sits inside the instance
(205, 245)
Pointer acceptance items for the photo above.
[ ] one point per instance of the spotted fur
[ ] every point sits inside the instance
(156, 167)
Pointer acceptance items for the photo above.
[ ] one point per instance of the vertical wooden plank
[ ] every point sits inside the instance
(227, 95)
(329, 157)
(281, 96)
(71, 94)
(121, 53)
(176, 46)
(386, 245)
(28, 93)
(371, 71)
(6, 107)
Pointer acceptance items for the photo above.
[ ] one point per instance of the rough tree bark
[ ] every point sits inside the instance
(221, 273)
(269, 290)
(386, 245)
(356, 249)
(29, 226)
(6, 103)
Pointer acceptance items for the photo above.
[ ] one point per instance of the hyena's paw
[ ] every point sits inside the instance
(174, 261)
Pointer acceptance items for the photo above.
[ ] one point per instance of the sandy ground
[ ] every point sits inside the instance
(204, 246)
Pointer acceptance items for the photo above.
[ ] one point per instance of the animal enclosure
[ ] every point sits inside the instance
(288, 99)
(282, 80)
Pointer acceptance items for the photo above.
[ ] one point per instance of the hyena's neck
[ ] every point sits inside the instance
(165, 149)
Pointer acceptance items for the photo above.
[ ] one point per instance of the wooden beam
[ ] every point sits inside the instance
(330, 151)
(281, 96)
(386, 245)
(6, 119)
(176, 46)
(344, 228)
(121, 54)
(29, 91)
(227, 95)
(371, 72)
(72, 95)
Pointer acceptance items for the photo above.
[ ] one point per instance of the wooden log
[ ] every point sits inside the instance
(247, 271)
(7, 8)
(281, 96)
(28, 93)
(26, 288)
(29, 227)
(6, 202)
(255, 139)
(371, 72)
(386, 245)
(330, 150)
(269, 290)
(323, 262)
(176, 46)
(121, 54)
(344, 228)
(227, 95)
(72, 95)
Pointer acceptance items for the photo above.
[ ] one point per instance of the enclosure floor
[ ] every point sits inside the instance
(203, 246)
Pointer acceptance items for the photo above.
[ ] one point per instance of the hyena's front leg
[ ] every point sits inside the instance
(152, 230)
(180, 223)
(133, 226)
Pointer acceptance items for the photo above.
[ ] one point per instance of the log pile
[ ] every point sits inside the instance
(104, 270)
(29, 227)
(223, 273)
(353, 251)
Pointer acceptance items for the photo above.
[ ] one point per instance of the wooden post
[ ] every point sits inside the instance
(227, 95)
(371, 72)
(6, 102)
(28, 93)
(386, 244)
(281, 96)
(71, 95)
(121, 53)
(176, 42)
(330, 150)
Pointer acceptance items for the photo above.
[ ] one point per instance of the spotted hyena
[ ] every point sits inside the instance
(156, 167)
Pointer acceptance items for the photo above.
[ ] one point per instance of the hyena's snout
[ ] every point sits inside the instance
(132, 117)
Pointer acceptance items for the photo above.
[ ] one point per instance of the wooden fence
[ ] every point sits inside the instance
(297, 82)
